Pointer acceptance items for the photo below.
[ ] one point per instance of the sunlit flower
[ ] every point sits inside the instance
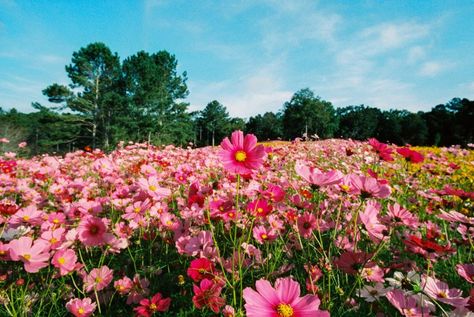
(284, 300)
(241, 154)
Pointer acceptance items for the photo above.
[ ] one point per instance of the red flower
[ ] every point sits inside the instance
(382, 149)
(410, 155)
(156, 304)
(200, 269)
(423, 246)
(351, 262)
(242, 155)
(207, 294)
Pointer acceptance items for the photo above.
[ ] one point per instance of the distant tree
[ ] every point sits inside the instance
(358, 122)
(213, 123)
(154, 91)
(266, 127)
(306, 113)
(94, 72)
(463, 110)
(441, 126)
(414, 129)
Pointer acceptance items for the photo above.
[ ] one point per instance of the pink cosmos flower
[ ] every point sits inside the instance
(241, 155)
(441, 292)
(35, 255)
(65, 261)
(123, 285)
(207, 294)
(306, 224)
(139, 289)
(466, 271)
(259, 207)
(98, 279)
(284, 300)
(92, 231)
(152, 187)
(149, 306)
(316, 177)
(399, 215)
(407, 305)
(262, 234)
(30, 215)
(54, 237)
(81, 307)
(369, 217)
(382, 149)
(369, 187)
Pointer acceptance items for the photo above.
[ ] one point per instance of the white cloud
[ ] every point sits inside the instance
(415, 54)
(247, 96)
(433, 68)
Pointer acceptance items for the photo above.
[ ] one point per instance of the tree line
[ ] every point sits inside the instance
(142, 98)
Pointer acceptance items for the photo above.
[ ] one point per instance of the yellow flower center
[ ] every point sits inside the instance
(264, 236)
(153, 307)
(345, 187)
(61, 260)
(169, 223)
(26, 218)
(53, 240)
(98, 279)
(27, 256)
(137, 210)
(284, 310)
(56, 221)
(259, 210)
(442, 295)
(240, 156)
(152, 188)
(81, 311)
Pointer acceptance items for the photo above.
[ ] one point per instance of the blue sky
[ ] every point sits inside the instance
(253, 55)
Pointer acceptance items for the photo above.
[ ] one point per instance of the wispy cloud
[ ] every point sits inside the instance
(433, 68)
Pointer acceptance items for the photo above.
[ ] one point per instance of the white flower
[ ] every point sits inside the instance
(373, 293)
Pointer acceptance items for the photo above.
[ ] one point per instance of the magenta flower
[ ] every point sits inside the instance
(441, 292)
(466, 271)
(98, 279)
(262, 234)
(81, 307)
(200, 269)
(283, 301)
(35, 255)
(65, 261)
(241, 155)
(149, 306)
(207, 294)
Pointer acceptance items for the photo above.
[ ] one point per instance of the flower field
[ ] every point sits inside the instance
(327, 228)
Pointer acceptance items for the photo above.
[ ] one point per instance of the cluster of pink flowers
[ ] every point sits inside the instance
(240, 229)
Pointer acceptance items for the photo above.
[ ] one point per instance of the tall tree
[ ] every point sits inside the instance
(94, 72)
(266, 127)
(358, 122)
(155, 92)
(306, 113)
(213, 123)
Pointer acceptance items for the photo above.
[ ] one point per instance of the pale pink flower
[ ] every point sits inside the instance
(401, 215)
(283, 300)
(65, 261)
(441, 292)
(81, 307)
(407, 305)
(466, 271)
(35, 255)
(123, 285)
(98, 279)
(369, 217)
(368, 187)
(241, 154)
(373, 273)
(316, 177)
(372, 293)
(22, 144)
(152, 187)
(261, 234)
